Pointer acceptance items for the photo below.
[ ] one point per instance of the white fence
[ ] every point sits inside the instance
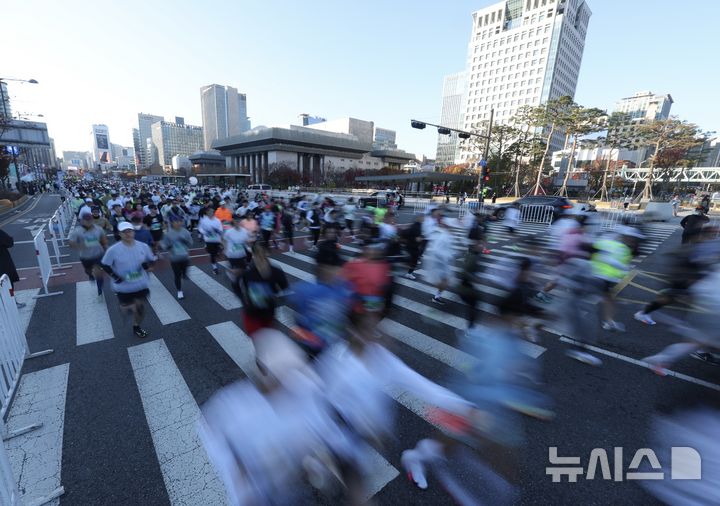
(470, 207)
(537, 214)
(421, 205)
(43, 258)
(13, 352)
(612, 219)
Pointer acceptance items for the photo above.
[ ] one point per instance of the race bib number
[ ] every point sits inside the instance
(91, 242)
(132, 276)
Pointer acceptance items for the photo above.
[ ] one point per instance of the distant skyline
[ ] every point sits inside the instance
(103, 63)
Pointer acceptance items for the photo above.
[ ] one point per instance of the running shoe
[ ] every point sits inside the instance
(414, 468)
(20, 304)
(438, 300)
(613, 326)
(180, 295)
(216, 270)
(710, 358)
(543, 297)
(140, 332)
(645, 318)
(409, 275)
(584, 357)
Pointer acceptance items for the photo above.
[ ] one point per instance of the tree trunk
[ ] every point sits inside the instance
(542, 161)
(563, 189)
(604, 197)
(647, 191)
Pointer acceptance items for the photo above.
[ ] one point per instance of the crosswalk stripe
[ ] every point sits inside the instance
(167, 309)
(172, 416)
(28, 298)
(36, 456)
(215, 290)
(236, 344)
(425, 344)
(240, 348)
(92, 317)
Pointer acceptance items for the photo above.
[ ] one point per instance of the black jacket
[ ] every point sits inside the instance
(7, 266)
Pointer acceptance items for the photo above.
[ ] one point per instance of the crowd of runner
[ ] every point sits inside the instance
(316, 405)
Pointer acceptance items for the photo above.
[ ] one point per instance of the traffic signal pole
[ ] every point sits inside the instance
(486, 153)
(443, 130)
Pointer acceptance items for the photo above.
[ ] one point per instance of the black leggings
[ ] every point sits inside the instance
(315, 235)
(179, 269)
(213, 248)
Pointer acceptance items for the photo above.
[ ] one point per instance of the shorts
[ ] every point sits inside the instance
(237, 263)
(88, 263)
(128, 298)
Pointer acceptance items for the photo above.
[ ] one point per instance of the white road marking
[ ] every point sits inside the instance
(92, 319)
(236, 344)
(223, 296)
(167, 309)
(28, 298)
(36, 456)
(172, 416)
(642, 363)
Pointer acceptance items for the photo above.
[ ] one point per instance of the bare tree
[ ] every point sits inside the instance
(666, 136)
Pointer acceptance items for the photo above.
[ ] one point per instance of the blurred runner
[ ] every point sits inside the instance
(177, 242)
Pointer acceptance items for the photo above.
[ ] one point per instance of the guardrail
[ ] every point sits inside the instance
(43, 258)
(537, 214)
(470, 207)
(611, 219)
(13, 353)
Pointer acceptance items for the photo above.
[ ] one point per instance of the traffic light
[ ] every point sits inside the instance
(417, 124)
(485, 173)
(463, 135)
(443, 131)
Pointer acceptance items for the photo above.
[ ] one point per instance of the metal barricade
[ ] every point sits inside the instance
(470, 207)
(57, 234)
(612, 219)
(13, 353)
(537, 214)
(43, 258)
(421, 205)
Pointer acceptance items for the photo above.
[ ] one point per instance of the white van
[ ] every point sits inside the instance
(259, 187)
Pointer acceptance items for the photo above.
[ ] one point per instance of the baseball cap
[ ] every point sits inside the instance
(122, 227)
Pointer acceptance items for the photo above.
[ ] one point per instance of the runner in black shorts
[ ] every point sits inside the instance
(127, 262)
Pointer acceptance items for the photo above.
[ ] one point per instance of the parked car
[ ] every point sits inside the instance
(559, 204)
(259, 187)
(380, 199)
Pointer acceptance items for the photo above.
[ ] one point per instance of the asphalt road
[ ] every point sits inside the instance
(109, 451)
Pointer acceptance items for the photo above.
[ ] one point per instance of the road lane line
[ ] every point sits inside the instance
(172, 416)
(641, 363)
(92, 319)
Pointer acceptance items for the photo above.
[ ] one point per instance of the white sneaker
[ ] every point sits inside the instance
(181, 295)
(414, 468)
(619, 327)
(645, 318)
(583, 357)
(409, 275)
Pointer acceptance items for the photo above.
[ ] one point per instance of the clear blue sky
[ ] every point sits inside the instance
(105, 61)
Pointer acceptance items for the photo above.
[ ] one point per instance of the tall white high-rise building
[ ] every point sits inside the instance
(451, 116)
(224, 112)
(145, 153)
(522, 52)
(645, 105)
